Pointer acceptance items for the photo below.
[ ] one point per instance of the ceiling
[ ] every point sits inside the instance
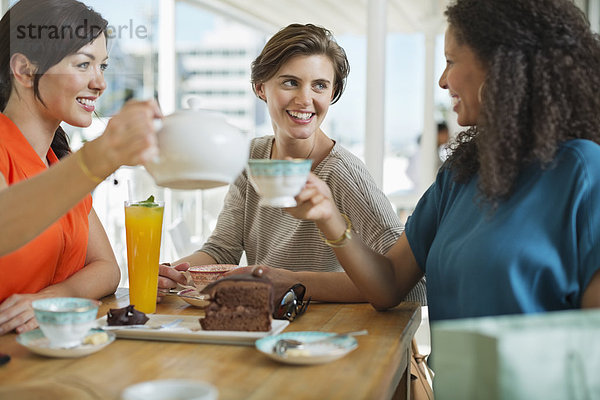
(340, 16)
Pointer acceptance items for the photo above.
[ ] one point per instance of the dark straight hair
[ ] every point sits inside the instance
(45, 31)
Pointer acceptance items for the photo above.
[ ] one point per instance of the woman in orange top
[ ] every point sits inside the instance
(52, 59)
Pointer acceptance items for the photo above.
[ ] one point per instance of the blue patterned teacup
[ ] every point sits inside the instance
(278, 181)
(65, 320)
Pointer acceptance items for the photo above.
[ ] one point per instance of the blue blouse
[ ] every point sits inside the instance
(537, 252)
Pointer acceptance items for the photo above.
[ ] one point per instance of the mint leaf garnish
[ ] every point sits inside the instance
(149, 202)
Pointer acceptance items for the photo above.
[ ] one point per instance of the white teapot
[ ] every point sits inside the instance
(198, 149)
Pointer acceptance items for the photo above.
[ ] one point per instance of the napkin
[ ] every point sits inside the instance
(189, 281)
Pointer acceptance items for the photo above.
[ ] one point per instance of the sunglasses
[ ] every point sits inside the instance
(292, 303)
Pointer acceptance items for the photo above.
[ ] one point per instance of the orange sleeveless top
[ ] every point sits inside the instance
(60, 250)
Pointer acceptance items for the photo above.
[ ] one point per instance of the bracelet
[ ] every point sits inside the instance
(342, 240)
(84, 167)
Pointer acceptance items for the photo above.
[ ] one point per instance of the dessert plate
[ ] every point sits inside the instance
(320, 353)
(36, 342)
(189, 330)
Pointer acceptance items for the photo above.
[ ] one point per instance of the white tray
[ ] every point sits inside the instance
(189, 330)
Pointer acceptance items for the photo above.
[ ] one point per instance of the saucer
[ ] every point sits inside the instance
(171, 389)
(37, 343)
(316, 354)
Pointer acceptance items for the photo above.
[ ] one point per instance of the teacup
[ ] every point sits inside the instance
(65, 321)
(278, 181)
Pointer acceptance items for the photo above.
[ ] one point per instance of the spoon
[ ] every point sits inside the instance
(188, 291)
(189, 294)
(283, 345)
(177, 290)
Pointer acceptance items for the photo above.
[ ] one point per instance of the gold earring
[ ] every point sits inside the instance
(479, 92)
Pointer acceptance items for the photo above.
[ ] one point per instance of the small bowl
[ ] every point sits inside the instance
(194, 298)
(278, 181)
(171, 389)
(65, 321)
(205, 274)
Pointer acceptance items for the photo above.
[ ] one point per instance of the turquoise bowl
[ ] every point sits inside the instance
(278, 181)
(65, 321)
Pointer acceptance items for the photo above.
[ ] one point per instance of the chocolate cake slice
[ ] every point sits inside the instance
(241, 302)
(125, 316)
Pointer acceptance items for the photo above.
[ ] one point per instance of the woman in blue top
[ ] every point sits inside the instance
(512, 222)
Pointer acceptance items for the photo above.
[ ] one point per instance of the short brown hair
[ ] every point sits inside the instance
(298, 39)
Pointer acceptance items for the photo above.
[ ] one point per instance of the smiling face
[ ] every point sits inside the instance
(463, 76)
(70, 88)
(298, 96)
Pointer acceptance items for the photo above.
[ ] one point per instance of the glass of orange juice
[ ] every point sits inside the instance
(143, 228)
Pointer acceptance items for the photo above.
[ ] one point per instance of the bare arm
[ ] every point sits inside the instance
(384, 280)
(34, 204)
(99, 277)
(328, 286)
(197, 258)
(591, 295)
(320, 286)
(101, 274)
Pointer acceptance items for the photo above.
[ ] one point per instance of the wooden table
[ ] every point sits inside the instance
(377, 369)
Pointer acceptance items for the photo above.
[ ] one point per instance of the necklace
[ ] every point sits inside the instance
(306, 157)
(312, 149)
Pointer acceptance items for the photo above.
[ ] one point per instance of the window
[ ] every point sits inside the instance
(213, 57)
(132, 73)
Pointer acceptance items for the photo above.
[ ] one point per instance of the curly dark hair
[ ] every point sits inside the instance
(306, 40)
(541, 87)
